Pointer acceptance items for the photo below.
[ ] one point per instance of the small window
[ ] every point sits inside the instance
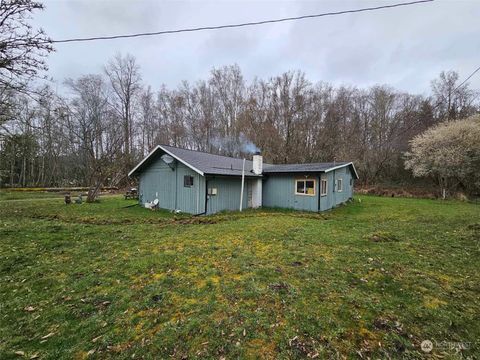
(188, 181)
(212, 191)
(323, 190)
(305, 187)
(339, 185)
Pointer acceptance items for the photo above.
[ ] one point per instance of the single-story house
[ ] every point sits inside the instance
(197, 182)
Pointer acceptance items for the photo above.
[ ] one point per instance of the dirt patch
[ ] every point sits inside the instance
(296, 263)
(305, 348)
(475, 227)
(388, 324)
(382, 236)
(279, 287)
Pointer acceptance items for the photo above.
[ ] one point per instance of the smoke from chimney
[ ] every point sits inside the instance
(234, 146)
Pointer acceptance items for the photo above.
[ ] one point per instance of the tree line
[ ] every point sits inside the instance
(95, 131)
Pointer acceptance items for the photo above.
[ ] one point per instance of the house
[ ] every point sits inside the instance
(201, 183)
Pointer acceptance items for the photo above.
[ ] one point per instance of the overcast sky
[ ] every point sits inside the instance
(403, 47)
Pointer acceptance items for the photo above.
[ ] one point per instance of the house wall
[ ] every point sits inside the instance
(279, 191)
(347, 192)
(334, 197)
(328, 201)
(228, 193)
(160, 182)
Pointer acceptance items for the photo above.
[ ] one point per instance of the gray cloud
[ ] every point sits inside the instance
(403, 47)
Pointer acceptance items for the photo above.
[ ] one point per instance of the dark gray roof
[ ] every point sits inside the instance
(311, 167)
(211, 163)
(206, 163)
(202, 162)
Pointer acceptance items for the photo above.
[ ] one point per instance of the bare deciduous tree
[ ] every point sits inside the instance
(95, 132)
(22, 49)
(452, 100)
(125, 79)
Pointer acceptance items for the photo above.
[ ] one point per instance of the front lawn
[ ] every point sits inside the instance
(374, 278)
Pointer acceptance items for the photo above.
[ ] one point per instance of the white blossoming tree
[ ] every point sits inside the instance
(449, 153)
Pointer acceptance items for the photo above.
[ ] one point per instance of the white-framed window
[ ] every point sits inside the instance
(323, 187)
(339, 185)
(305, 187)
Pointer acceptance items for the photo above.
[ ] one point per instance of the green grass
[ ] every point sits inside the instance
(374, 278)
(6, 194)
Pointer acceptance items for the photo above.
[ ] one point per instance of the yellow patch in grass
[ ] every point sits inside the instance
(214, 279)
(259, 346)
(433, 303)
(158, 276)
(366, 334)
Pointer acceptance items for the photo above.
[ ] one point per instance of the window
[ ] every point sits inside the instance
(212, 191)
(323, 189)
(305, 187)
(188, 181)
(339, 185)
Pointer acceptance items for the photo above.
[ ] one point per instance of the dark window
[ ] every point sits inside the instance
(301, 187)
(188, 181)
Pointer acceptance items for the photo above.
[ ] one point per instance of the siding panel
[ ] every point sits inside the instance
(228, 194)
(279, 191)
(160, 181)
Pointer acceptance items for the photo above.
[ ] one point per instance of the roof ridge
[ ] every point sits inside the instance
(204, 152)
(314, 163)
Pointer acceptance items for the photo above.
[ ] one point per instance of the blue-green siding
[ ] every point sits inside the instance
(228, 194)
(160, 181)
(279, 191)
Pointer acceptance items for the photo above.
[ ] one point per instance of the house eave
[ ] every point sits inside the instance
(159, 147)
(341, 166)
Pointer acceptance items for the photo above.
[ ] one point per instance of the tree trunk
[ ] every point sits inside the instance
(93, 192)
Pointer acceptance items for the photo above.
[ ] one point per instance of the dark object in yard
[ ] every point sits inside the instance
(68, 199)
(79, 200)
(156, 298)
(129, 206)
(131, 194)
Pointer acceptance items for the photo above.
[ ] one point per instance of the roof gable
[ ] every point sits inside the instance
(201, 162)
